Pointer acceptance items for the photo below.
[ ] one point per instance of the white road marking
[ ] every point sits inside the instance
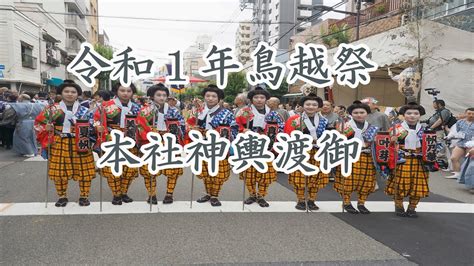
(38, 208)
(37, 158)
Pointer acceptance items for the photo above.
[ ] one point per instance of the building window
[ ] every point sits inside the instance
(277, 5)
(276, 17)
(270, 11)
(27, 58)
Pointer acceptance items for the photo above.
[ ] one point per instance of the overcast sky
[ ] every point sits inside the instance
(155, 39)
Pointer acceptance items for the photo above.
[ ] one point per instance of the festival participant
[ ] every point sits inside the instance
(411, 177)
(113, 115)
(311, 123)
(212, 116)
(55, 127)
(257, 117)
(167, 120)
(362, 178)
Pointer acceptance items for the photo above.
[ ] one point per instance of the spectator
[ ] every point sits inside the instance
(327, 112)
(173, 102)
(7, 125)
(439, 122)
(3, 90)
(240, 101)
(86, 98)
(57, 98)
(43, 97)
(101, 96)
(463, 130)
(467, 169)
(226, 106)
(274, 104)
(375, 117)
(25, 112)
(340, 110)
(53, 96)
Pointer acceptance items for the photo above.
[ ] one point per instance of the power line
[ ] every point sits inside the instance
(346, 29)
(296, 25)
(309, 19)
(138, 18)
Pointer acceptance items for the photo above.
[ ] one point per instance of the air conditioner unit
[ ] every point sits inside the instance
(45, 75)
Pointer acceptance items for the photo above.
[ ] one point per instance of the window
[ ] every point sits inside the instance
(27, 58)
(270, 11)
(276, 17)
(277, 5)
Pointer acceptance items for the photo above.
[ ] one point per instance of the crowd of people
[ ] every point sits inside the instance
(53, 115)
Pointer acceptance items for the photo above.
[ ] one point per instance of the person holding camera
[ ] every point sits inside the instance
(440, 122)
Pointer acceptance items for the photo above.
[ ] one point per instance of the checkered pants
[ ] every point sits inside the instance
(213, 184)
(361, 180)
(66, 163)
(254, 179)
(411, 181)
(150, 180)
(314, 182)
(119, 184)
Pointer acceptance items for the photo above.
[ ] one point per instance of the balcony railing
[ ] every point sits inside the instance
(73, 46)
(374, 11)
(74, 21)
(78, 5)
(28, 61)
(52, 61)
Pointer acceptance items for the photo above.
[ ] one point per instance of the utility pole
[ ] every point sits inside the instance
(358, 4)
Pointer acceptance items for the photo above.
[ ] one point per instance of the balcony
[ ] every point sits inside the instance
(52, 61)
(73, 46)
(76, 24)
(449, 8)
(370, 13)
(77, 6)
(304, 14)
(305, 4)
(28, 61)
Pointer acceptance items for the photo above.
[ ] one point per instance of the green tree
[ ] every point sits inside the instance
(282, 90)
(236, 84)
(107, 52)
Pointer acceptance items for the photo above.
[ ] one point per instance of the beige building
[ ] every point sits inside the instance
(192, 57)
(242, 42)
(93, 21)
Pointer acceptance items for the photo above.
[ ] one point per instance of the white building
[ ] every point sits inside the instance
(192, 57)
(32, 53)
(242, 42)
(38, 42)
(273, 20)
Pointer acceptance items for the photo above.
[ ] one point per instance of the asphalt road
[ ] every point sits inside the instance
(280, 238)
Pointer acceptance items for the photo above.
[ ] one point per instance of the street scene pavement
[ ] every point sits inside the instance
(179, 234)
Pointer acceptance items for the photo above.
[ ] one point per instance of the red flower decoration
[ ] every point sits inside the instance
(192, 121)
